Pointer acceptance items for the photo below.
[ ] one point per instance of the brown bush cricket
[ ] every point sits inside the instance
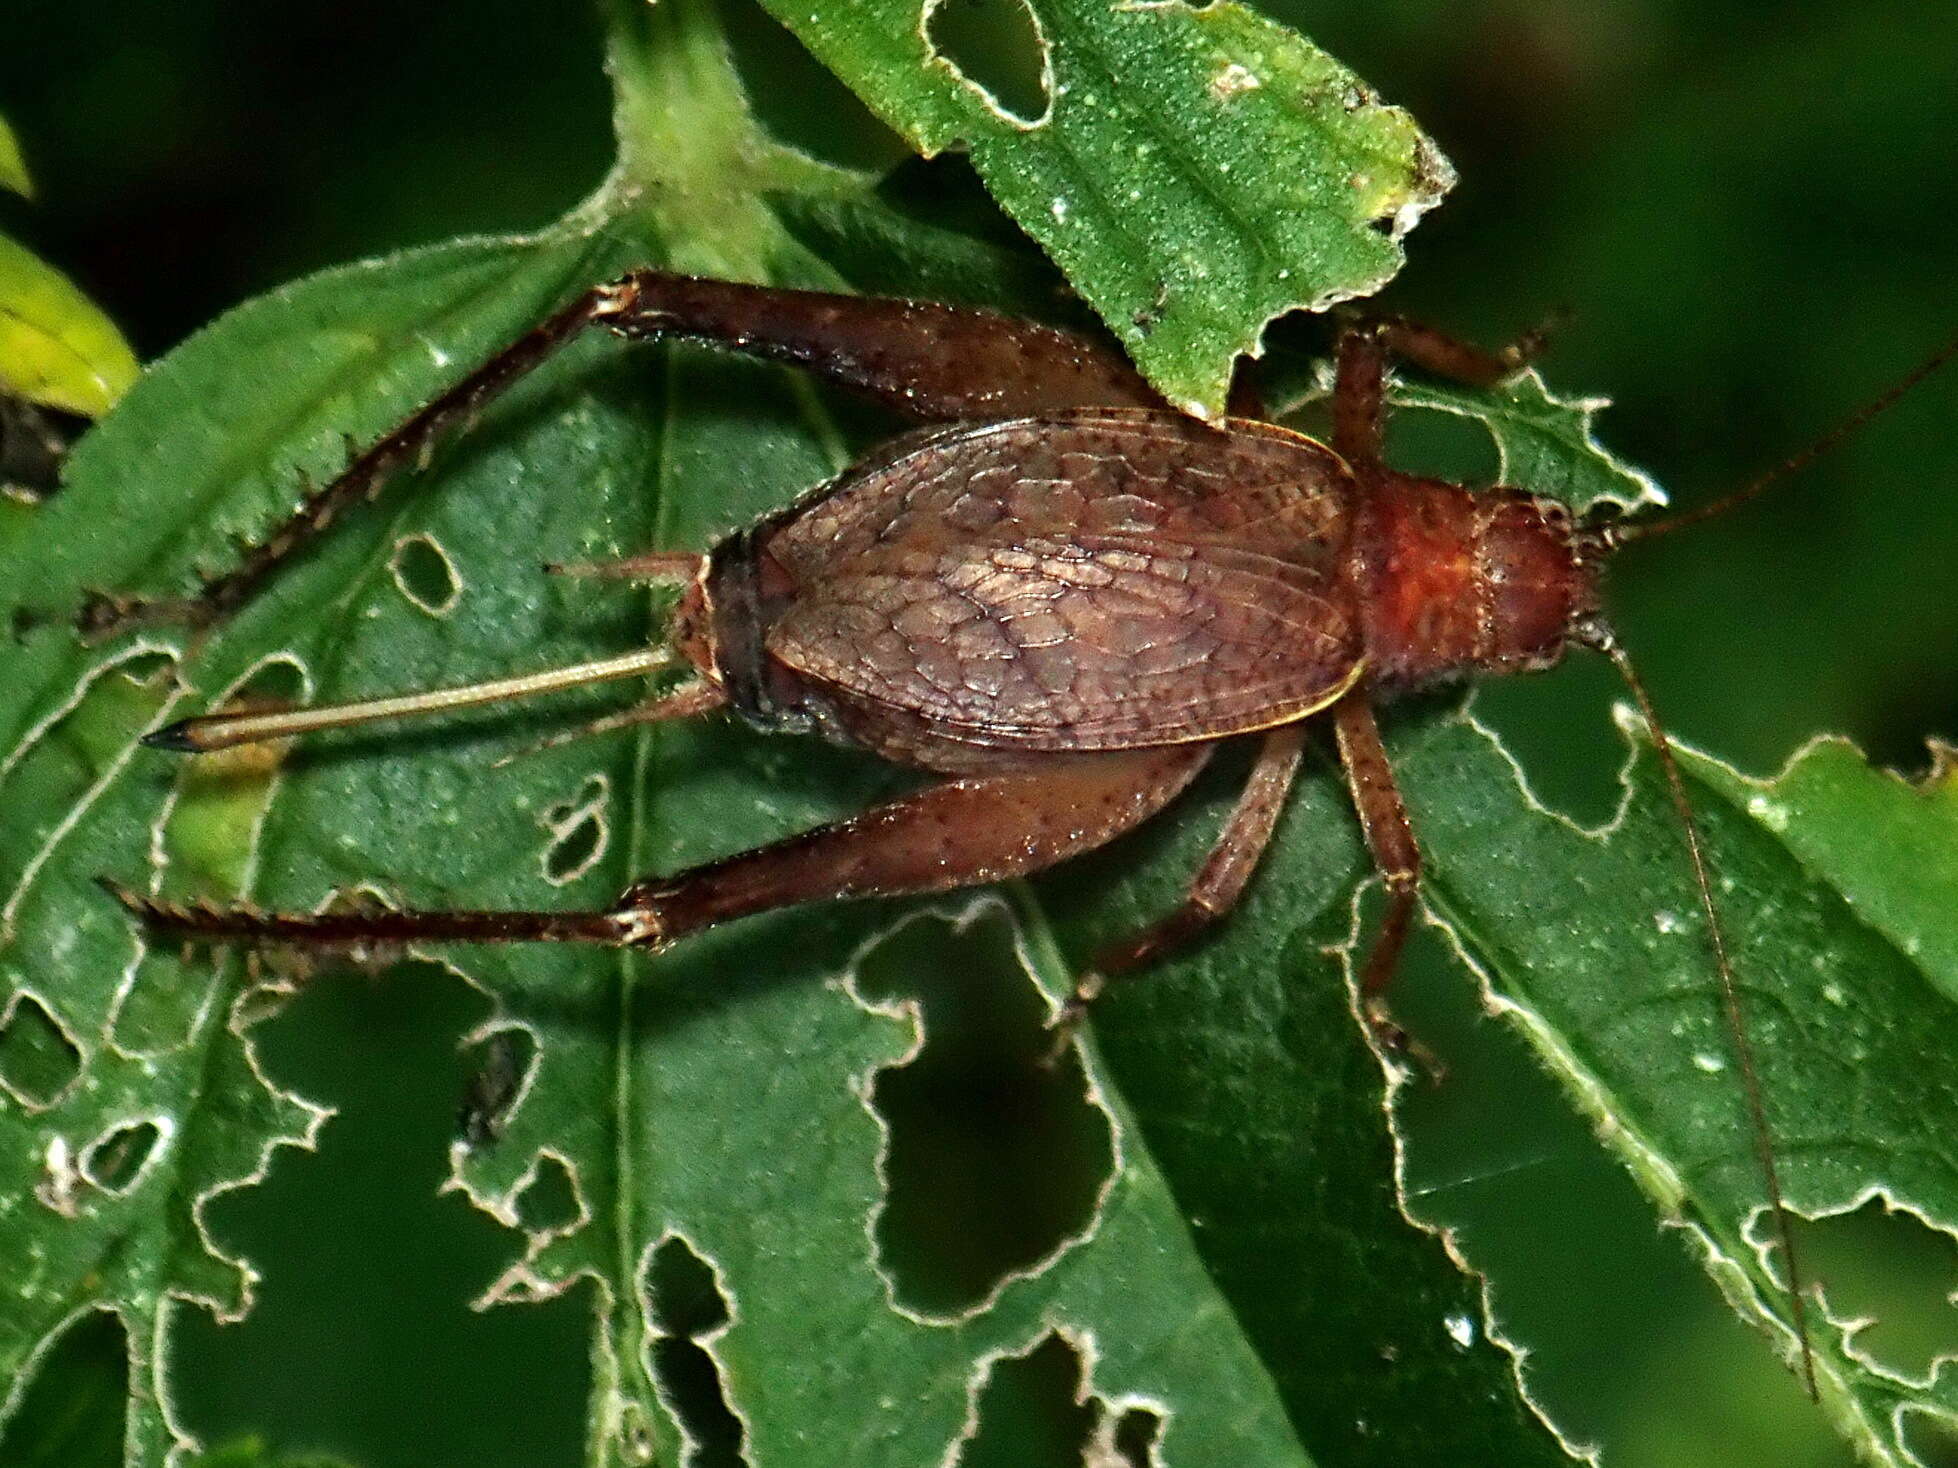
(1059, 600)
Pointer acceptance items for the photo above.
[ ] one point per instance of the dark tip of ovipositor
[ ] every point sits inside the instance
(177, 737)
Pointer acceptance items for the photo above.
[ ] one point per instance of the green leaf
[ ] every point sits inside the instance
(1883, 843)
(56, 347)
(1543, 442)
(740, 1128)
(1194, 172)
(1243, 1272)
(1595, 936)
(1590, 943)
(714, 1095)
(13, 166)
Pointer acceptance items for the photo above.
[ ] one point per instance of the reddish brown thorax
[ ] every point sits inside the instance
(1448, 580)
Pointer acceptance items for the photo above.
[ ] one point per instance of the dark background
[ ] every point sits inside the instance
(1748, 209)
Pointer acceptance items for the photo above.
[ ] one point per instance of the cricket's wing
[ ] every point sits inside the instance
(1093, 581)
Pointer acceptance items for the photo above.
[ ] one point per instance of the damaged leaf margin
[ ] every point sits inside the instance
(1101, 1450)
(197, 1154)
(1189, 1366)
(1708, 1189)
(805, 265)
(1198, 171)
(910, 1012)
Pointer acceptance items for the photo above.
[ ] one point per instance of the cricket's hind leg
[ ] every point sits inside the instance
(926, 360)
(959, 833)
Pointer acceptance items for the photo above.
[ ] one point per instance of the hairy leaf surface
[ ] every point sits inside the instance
(1194, 171)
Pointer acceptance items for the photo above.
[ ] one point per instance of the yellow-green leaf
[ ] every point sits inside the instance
(56, 347)
(13, 167)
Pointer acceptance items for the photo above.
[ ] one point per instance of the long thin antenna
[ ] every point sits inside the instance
(222, 731)
(1606, 642)
(1619, 534)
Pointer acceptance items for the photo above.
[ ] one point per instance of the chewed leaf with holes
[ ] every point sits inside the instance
(813, 1166)
(1845, 967)
(1543, 442)
(1194, 171)
(739, 1096)
(108, 1171)
(734, 1103)
(1590, 942)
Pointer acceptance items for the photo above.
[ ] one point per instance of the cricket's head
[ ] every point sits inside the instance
(1540, 567)
(1462, 581)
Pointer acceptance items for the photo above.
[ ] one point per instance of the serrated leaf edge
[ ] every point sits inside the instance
(1396, 1077)
(1659, 1179)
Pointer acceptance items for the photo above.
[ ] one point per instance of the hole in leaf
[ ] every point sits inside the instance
(72, 1413)
(577, 828)
(1034, 1411)
(425, 575)
(1135, 1436)
(800, 100)
(1931, 1439)
(1889, 1267)
(1441, 446)
(549, 1202)
(114, 1159)
(684, 1300)
(37, 1059)
(996, 48)
(994, 1158)
(574, 852)
(503, 1060)
(345, 1319)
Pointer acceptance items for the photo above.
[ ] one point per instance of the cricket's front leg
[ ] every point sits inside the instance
(960, 833)
(1390, 838)
(1365, 350)
(920, 358)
